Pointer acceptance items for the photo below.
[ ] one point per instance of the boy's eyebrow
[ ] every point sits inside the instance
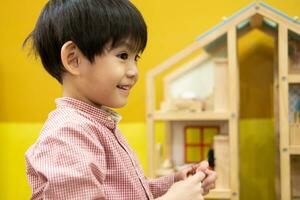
(128, 46)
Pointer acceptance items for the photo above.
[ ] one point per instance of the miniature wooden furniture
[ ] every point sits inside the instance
(221, 148)
(212, 77)
(221, 85)
(295, 130)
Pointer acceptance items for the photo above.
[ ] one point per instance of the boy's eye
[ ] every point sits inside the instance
(123, 56)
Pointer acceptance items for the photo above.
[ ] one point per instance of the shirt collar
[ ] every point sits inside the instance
(104, 114)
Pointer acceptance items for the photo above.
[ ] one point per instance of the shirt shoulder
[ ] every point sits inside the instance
(68, 130)
(67, 151)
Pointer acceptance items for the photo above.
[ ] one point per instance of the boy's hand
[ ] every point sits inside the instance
(208, 182)
(188, 189)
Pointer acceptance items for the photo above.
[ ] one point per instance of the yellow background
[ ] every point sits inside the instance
(27, 93)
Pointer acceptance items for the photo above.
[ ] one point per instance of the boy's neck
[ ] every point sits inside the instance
(69, 89)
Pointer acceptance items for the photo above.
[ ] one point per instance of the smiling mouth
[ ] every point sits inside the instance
(124, 87)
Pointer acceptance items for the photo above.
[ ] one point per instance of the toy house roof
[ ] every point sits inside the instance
(256, 14)
(267, 24)
(260, 8)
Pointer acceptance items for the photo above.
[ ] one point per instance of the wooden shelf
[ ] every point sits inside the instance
(189, 116)
(295, 150)
(219, 194)
(294, 78)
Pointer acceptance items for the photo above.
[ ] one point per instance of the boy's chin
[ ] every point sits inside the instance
(118, 105)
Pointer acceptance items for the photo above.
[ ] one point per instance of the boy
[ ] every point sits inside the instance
(91, 47)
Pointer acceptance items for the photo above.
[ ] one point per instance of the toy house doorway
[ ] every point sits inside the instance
(258, 71)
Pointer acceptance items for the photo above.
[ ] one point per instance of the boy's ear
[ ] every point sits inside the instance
(70, 57)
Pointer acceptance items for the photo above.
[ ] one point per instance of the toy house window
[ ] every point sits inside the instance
(197, 142)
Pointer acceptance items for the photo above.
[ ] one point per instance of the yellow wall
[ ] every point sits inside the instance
(27, 93)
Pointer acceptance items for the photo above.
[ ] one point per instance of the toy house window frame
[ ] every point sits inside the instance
(198, 144)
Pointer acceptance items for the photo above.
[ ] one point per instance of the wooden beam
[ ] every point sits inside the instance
(276, 117)
(295, 150)
(219, 194)
(189, 116)
(294, 78)
(168, 141)
(150, 107)
(234, 109)
(150, 93)
(151, 147)
(283, 112)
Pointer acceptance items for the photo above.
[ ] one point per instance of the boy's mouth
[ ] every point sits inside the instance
(124, 87)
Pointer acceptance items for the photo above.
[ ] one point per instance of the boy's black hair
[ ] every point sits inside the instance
(90, 24)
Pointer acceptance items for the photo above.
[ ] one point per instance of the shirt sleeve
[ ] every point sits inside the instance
(67, 164)
(160, 186)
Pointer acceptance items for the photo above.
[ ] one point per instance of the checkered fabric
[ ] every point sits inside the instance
(81, 154)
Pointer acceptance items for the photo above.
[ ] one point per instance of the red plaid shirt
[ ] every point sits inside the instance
(81, 154)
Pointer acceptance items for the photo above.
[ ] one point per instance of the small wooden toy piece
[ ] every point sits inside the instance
(294, 56)
(182, 105)
(295, 130)
(221, 150)
(221, 85)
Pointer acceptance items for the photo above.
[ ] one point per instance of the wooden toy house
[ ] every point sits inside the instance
(201, 99)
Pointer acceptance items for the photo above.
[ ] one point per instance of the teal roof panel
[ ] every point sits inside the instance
(237, 14)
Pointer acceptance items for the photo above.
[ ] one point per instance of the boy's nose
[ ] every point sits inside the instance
(132, 71)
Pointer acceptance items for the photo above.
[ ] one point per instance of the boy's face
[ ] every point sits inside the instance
(109, 79)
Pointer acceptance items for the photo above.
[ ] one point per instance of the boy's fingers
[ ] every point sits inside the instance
(198, 177)
(192, 170)
(211, 177)
(205, 191)
(202, 166)
(211, 186)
